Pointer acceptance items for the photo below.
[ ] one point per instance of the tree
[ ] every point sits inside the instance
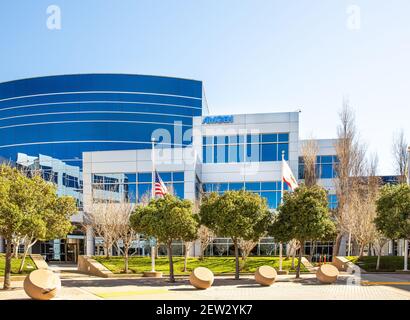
(122, 228)
(205, 236)
(309, 151)
(50, 215)
(103, 218)
(379, 242)
(237, 215)
(31, 209)
(351, 158)
(393, 211)
(362, 207)
(12, 193)
(400, 155)
(246, 247)
(303, 216)
(167, 219)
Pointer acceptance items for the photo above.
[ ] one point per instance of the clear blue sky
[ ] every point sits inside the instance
(253, 55)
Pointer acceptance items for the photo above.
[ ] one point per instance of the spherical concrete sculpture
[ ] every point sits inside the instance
(42, 284)
(327, 273)
(201, 278)
(265, 275)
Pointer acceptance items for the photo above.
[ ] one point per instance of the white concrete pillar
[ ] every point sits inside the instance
(390, 250)
(400, 247)
(342, 248)
(89, 238)
(1, 244)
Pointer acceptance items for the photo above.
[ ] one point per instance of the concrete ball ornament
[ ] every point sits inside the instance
(42, 284)
(265, 275)
(201, 278)
(327, 273)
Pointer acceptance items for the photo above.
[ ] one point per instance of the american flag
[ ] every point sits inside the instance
(159, 188)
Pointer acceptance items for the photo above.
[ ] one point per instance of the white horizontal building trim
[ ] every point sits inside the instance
(93, 92)
(100, 102)
(92, 121)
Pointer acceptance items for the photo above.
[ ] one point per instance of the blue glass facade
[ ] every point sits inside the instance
(135, 187)
(270, 190)
(325, 167)
(63, 116)
(249, 148)
(332, 199)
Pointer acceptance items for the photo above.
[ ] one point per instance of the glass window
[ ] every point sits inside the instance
(270, 198)
(144, 192)
(268, 152)
(233, 139)
(179, 190)
(283, 137)
(145, 177)
(130, 192)
(207, 187)
(271, 137)
(220, 187)
(232, 153)
(252, 152)
(270, 186)
(327, 172)
(236, 186)
(326, 159)
(252, 186)
(208, 140)
(178, 176)
(241, 153)
(209, 156)
(220, 153)
(283, 147)
(253, 138)
(166, 176)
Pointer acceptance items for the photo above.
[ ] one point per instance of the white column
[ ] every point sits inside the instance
(89, 238)
(1, 244)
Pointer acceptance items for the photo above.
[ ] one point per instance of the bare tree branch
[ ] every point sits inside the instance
(400, 155)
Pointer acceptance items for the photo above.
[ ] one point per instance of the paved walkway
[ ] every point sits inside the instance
(86, 288)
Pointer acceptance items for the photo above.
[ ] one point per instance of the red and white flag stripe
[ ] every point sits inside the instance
(159, 187)
(288, 177)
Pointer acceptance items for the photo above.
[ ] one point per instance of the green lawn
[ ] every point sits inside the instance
(15, 264)
(219, 265)
(387, 263)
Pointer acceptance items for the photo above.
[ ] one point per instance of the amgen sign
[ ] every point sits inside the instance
(217, 119)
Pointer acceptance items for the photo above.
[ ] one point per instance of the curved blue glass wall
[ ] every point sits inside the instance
(63, 116)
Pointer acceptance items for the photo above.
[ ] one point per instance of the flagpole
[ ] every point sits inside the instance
(281, 201)
(406, 241)
(152, 197)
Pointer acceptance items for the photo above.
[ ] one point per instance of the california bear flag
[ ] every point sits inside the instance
(288, 177)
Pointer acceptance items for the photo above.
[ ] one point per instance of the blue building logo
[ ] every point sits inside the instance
(217, 119)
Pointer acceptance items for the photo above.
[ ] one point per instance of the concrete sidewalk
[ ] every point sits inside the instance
(286, 288)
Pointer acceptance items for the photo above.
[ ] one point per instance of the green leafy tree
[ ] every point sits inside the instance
(237, 215)
(393, 211)
(14, 197)
(30, 209)
(303, 216)
(167, 219)
(48, 217)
